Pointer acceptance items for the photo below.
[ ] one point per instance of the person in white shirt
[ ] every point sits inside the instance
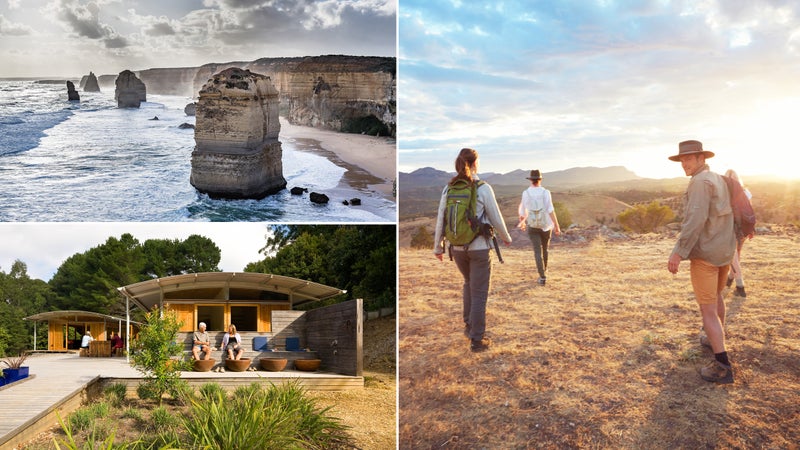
(538, 216)
(474, 259)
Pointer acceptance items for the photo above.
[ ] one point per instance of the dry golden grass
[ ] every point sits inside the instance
(605, 356)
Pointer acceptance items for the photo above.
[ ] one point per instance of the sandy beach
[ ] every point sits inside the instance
(377, 156)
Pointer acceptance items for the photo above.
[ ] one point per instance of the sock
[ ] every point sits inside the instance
(722, 358)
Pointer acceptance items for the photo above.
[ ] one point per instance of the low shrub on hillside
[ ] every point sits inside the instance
(646, 218)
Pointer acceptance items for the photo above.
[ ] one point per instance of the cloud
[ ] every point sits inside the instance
(43, 247)
(84, 21)
(597, 81)
(160, 29)
(8, 28)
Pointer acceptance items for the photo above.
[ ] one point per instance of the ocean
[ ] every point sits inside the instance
(64, 161)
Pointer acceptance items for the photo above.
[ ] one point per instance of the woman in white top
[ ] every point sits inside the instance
(474, 259)
(231, 343)
(538, 216)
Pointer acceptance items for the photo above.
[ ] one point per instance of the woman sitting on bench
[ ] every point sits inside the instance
(231, 342)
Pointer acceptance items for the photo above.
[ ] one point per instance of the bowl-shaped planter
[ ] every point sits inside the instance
(273, 364)
(237, 365)
(307, 365)
(203, 365)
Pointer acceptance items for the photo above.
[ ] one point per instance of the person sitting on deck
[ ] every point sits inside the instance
(116, 343)
(201, 342)
(231, 342)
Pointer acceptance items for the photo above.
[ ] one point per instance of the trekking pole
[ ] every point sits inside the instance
(497, 249)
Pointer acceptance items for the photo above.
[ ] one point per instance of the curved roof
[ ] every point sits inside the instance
(74, 316)
(147, 294)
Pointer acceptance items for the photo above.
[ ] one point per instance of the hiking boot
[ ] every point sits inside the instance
(717, 372)
(740, 292)
(480, 345)
(729, 282)
(541, 281)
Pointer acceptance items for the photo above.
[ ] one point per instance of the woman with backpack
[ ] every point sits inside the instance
(538, 216)
(467, 218)
(736, 264)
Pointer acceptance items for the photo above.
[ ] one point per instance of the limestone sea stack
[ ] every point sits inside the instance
(237, 152)
(91, 83)
(130, 92)
(72, 94)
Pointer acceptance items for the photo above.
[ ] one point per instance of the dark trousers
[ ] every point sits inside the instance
(540, 241)
(476, 268)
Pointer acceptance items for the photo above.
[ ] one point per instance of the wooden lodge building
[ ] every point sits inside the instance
(262, 306)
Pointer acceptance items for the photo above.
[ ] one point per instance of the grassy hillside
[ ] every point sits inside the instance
(773, 201)
(605, 356)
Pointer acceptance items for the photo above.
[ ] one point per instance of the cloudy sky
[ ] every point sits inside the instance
(44, 246)
(40, 38)
(559, 84)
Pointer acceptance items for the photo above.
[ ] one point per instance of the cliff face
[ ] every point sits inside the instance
(174, 81)
(336, 92)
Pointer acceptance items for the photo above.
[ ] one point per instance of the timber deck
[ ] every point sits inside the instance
(59, 382)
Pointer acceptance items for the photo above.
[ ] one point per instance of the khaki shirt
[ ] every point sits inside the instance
(707, 228)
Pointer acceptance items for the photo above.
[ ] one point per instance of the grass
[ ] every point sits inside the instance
(605, 356)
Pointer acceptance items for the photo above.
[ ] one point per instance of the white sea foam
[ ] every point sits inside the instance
(91, 161)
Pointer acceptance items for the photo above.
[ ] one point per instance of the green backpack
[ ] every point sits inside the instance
(461, 225)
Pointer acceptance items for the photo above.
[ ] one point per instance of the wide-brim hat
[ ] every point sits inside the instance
(691, 148)
(535, 175)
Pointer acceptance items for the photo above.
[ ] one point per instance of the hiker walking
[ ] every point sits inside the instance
(538, 216)
(468, 216)
(707, 240)
(736, 264)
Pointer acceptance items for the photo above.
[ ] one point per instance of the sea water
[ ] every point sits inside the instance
(91, 161)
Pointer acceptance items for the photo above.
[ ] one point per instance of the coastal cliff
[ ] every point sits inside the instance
(336, 92)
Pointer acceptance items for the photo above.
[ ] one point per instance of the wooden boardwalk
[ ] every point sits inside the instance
(59, 381)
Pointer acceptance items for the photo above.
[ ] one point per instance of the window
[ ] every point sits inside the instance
(245, 317)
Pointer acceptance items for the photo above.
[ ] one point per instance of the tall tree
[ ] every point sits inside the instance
(20, 296)
(360, 259)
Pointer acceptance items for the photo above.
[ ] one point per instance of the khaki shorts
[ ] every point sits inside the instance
(708, 281)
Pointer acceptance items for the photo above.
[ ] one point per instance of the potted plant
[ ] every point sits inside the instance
(14, 370)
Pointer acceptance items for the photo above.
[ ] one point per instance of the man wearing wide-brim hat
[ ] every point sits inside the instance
(708, 241)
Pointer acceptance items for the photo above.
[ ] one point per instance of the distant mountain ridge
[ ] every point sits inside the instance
(576, 176)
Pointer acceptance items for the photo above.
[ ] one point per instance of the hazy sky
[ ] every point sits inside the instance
(559, 84)
(41, 38)
(44, 246)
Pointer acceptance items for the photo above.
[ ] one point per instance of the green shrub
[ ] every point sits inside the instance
(563, 215)
(163, 420)
(99, 409)
(277, 417)
(211, 391)
(82, 419)
(422, 238)
(132, 413)
(115, 393)
(153, 351)
(645, 218)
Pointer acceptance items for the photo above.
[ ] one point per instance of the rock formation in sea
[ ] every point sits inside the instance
(89, 83)
(190, 109)
(72, 94)
(130, 91)
(237, 152)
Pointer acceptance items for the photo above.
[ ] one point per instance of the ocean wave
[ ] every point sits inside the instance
(23, 132)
